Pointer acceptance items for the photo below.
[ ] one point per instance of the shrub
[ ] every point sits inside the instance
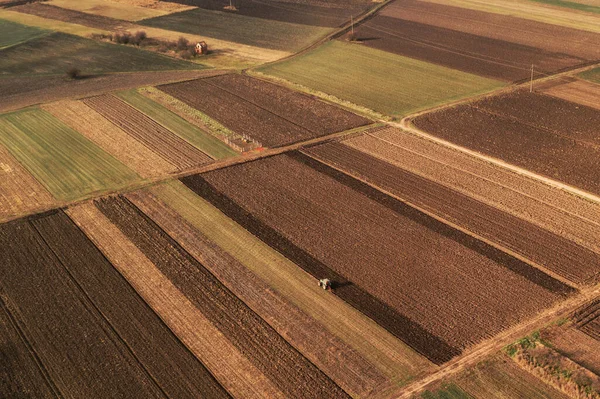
(73, 73)
(182, 43)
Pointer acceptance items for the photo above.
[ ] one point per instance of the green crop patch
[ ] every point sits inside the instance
(12, 33)
(57, 52)
(61, 159)
(382, 81)
(571, 4)
(592, 75)
(205, 142)
(242, 29)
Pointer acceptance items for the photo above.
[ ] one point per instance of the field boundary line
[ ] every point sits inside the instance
(14, 321)
(440, 219)
(407, 125)
(91, 307)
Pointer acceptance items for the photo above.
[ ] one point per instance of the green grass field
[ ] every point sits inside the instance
(381, 81)
(12, 33)
(450, 391)
(592, 75)
(208, 144)
(57, 52)
(236, 28)
(62, 160)
(571, 4)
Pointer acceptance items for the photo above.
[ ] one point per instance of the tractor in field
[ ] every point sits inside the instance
(325, 283)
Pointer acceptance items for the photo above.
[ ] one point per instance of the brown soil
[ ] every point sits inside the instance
(335, 358)
(579, 91)
(234, 372)
(379, 247)
(21, 374)
(549, 250)
(83, 355)
(479, 55)
(552, 38)
(286, 367)
(588, 319)
(269, 114)
(171, 365)
(548, 136)
(577, 346)
(72, 16)
(109, 137)
(19, 191)
(20, 92)
(159, 139)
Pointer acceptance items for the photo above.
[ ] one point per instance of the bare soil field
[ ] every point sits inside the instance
(112, 139)
(19, 191)
(546, 135)
(172, 367)
(552, 251)
(379, 252)
(509, 28)
(84, 357)
(72, 16)
(305, 13)
(579, 91)
(492, 58)
(21, 374)
(287, 368)
(577, 346)
(268, 113)
(159, 139)
(588, 319)
(235, 372)
(20, 92)
(329, 353)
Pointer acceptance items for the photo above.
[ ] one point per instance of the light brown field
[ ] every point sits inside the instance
(552, 209)
(126, 149)
(226, 363)
(128, 10)
(578, 346)
(580, 91)
(333, 356)
(19, 191)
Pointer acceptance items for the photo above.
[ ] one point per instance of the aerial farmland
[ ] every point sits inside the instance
(380, 199)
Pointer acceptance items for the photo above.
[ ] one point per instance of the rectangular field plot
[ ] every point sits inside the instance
(68, 165)
(237, 28)
(147, 131)
(333, 68)
(61, 51)
(12, 33)
(269, 114)
(492, 58)
(546, 135)
(552, 251)
(406, 271)
(578, 91)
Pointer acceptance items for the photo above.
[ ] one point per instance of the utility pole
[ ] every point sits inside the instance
(352, 23)
(531, 82)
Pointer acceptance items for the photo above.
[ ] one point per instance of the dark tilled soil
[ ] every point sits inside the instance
(479, 55)
(292, 373)
(530, 137)
(21, 375)
(72, 16)
(269, 114)
(84, 357)
(459, 292)
(144, 129)
(562, 256)
(174, 368)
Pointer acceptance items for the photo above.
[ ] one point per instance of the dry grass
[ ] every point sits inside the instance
(133, 10)
(580, 91)
(115, 141)
(225, 362)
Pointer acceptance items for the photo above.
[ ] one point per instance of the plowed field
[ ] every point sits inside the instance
(380, 253)
(266, 112)
(286, 367)
(552, 251)
(584, 93)
(77, 17)
(84, 357)
(588, 319)
(508, 28)
(550, 136)
(479, 55)
(148, 132)
(172, 367)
